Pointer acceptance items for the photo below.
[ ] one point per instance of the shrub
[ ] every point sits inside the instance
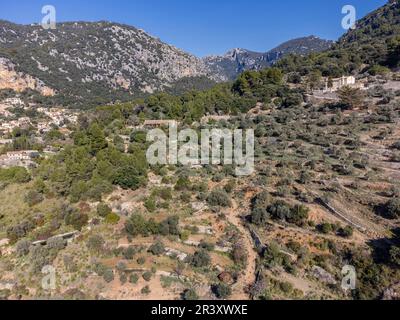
(23, 247)
(395, 255)
(396, 145)
(393, 208)
(230, 186)
(221, 290)
(219, 198)
(190, 295)
(182, 184)
(112, 218)
(39, 257)
(299, 215)
(286, 287)
(164, 193)
(170, 226)
(279, 210)
(184, 235)
(262, 200)
(95, 243)
(123, 278)
(351, 97)
(378, 70)
(137, 225)
(56, 244)
(33, 198)
(108, 275)
(121, 266)
(103, 210)
(145, 290)
(325, 228)
(346, 232)
(99, 269)
(200, 259)
(20, 230)
(15, 175)
(134, 278)
(129, 253)
(69, 263)
(239, 254)
(76, 219)
(157, 248)
(305, 177)
(272, 255)
(147, 276)
(260, 216)
(150, 204)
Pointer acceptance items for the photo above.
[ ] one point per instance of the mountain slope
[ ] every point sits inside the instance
(377, 35)
(101, 62)
(107, 60)
(375, 41)
(236, 61)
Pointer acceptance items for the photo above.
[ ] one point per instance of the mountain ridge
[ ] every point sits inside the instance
(237, 60)
(105, 61)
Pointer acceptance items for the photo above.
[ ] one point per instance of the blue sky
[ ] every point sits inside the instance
(204, 27)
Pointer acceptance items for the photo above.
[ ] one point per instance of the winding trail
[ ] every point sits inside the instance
(248, 276)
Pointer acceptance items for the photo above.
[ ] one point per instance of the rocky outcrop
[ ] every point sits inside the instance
(18, 81)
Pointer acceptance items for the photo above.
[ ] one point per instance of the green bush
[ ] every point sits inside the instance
(346, 232)
(222, 291)
(200, 259)
(133, 278)
(325, 228)
(108, 275)
(378, 70)
(150, 204)
(76, 219)
(95, 243)
(23, 247)
(112, 218)
(157, 248)
(129, 253)
(190, 295)
(103, 210)
(145, 290)
(147, 276)
(393, 208)
(395, 255)
(15, 175)
(33, 198)
(219, 198)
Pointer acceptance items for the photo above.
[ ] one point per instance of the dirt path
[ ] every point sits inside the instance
(248, 276)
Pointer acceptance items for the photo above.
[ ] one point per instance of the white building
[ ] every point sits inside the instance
(338, 83)
(22, 155)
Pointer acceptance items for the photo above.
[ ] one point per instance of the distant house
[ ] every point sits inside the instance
(22, 155)
(333, 85)
(19, 159)
(159, 123)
